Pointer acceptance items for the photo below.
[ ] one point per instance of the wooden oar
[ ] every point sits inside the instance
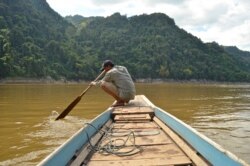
(73, 104)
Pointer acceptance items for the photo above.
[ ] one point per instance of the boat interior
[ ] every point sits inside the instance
(134, 135)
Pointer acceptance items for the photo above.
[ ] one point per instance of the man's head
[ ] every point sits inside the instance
(107, 64)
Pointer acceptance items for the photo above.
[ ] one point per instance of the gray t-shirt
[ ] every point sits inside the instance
(121, 78)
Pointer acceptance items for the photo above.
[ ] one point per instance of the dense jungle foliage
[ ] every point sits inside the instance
(36, 42)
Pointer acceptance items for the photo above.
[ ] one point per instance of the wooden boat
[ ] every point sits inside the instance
(139, 134)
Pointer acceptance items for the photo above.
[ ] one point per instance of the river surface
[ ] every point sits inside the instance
(28, 132)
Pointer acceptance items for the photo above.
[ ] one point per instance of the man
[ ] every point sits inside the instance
(117, 82)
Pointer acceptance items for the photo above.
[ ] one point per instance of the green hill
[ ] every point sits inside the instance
(32, 39)
(233, 50)
(37, 42)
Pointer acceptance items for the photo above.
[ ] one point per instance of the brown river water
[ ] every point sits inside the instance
(28, 132)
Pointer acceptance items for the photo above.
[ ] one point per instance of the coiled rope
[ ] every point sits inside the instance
(118, 146)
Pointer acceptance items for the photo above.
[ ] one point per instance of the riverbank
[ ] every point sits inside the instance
(48, 80)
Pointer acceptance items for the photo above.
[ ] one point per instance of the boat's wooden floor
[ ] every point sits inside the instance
(158, 144)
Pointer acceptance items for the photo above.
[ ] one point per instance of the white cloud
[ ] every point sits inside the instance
(225, 21)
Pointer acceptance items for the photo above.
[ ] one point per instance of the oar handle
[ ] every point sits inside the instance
(97, 78)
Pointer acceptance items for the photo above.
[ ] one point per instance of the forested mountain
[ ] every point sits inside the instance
(37, 42)
(244, 55)
(233, 50)
(33, 39)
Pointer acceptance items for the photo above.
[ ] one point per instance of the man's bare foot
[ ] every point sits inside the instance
(118, 103)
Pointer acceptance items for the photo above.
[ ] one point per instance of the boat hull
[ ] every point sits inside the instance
(66, 151)
(190, 146)
(210, 150)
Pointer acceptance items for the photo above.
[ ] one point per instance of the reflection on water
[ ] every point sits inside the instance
(29, 132)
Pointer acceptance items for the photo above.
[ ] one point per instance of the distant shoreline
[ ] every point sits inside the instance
(19, 80)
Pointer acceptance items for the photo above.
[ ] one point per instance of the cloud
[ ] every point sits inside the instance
(154, 2)
(223, 21)
(107, 2)
(226, 22)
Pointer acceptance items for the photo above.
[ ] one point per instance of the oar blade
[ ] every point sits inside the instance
(69, 108)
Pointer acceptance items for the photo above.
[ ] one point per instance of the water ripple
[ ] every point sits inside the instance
(47, 136)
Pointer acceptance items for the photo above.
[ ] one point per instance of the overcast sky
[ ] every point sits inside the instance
(226, 22)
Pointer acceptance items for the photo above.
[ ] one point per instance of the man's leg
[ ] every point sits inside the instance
(112, 90)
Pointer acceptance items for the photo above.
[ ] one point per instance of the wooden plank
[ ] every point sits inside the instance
(134, 117)
(158, 138)
(134, 125)
(138, 102)
(154, 151)
(83, 153)
(166, 161)
(191, 153)
(133, 110)
(136, 132)
(132, 121)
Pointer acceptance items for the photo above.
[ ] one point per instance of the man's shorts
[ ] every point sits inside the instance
(126, 96)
